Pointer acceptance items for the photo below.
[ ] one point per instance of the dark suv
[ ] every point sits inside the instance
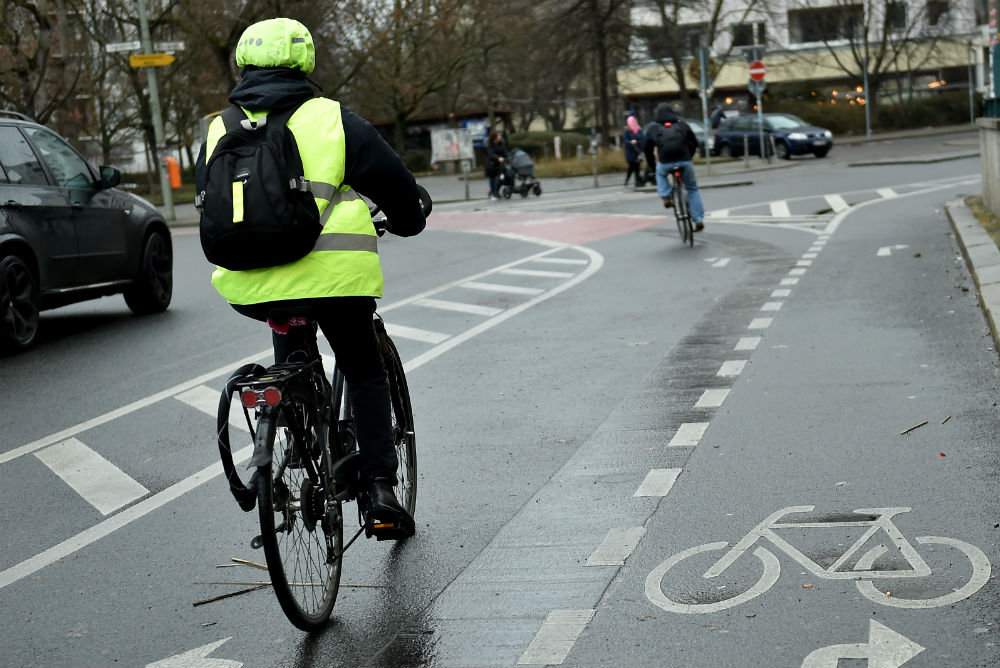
(67, 234)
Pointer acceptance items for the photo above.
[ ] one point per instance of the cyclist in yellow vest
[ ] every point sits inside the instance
(337, 282)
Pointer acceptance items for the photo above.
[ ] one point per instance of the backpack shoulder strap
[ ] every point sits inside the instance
(232, 117)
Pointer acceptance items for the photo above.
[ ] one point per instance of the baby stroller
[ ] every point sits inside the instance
(518, 175)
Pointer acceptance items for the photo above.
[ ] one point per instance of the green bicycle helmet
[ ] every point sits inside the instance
(277, 43)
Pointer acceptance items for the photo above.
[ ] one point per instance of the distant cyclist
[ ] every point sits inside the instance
(673, 143)
(337, 282)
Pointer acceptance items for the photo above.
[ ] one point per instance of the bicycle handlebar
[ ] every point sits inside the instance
(382, 223)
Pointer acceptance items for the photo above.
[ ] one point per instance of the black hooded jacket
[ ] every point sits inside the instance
(372, 168)
(672, 138)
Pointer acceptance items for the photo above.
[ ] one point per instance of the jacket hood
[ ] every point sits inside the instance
(270, 88)
(665, 114)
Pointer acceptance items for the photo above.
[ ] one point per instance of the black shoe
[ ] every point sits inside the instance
(385, 518)
(668, 203)
(699, 226)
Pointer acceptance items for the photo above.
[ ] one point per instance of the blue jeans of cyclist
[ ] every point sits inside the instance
(687, 176)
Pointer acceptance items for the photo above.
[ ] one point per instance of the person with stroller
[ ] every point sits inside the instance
(633, 139)
(496, 155)
(674, 144)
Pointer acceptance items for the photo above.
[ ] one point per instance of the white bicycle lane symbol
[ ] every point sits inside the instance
(878, 519)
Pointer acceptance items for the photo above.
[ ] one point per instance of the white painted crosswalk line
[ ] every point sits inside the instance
(771, 306)
(789, 281)
(444, 305)
(760, 323)
(779, 209)
(100, 483)
(539, 273)
(496, 287)
(415, 334)
(731, 368)
(748, 343)
(836, 202)
(616, 547)
(712, 398)
(781, 292)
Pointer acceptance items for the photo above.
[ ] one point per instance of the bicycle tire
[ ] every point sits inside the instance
(301, 528)
(679, 195)
(688, 225)
(404, 435)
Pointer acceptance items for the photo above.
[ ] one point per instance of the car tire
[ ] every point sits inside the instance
(725, 151)
(781, 150)
(153, 286)
(821, 152)
(19, 305)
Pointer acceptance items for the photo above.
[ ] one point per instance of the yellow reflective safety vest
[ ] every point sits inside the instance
(344, 261)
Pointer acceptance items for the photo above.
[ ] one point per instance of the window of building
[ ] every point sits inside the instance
(937, 12)
(895, 16)
(825, 24)
(743, 34)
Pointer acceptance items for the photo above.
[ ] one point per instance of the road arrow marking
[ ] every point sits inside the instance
(885, 649)
(197, 658)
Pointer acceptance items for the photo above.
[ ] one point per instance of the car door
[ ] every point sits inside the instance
(37, 210)
(100, 225)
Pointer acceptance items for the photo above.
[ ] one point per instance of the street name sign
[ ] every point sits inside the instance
(115, 47)
(150, 59)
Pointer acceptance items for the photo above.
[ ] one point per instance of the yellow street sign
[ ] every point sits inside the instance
(150, 59)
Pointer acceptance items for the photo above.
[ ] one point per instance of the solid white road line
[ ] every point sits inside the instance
(760, 323)
(414, 334)
(445, 305)
(540, 273)
(101, 484)
(496, 287)
(559, 260)
(658, 482)
(712, 398)
(747, 343)
(688, 434)
(555, 638)
(731, 368)
(616, 547)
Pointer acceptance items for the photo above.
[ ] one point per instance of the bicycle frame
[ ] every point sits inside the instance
(883, 521)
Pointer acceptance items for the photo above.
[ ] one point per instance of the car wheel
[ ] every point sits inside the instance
(781, 150)
(153, 287)
(725, 151)
(821, 152)
(19, 305)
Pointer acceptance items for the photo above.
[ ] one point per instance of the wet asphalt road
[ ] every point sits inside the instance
(587, 452)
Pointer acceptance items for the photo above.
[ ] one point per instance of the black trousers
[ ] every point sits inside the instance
(347, 324)
(633, 168)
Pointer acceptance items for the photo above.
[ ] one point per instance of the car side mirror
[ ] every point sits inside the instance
(110, 176)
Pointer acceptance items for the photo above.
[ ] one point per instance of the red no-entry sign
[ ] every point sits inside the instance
(757, 70)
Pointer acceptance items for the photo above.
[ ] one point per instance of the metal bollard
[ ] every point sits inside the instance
(746, 151)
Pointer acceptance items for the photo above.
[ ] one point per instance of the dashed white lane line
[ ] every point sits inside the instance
(731, 368)
(414, 334)
(771, 306)
(458, 307)
(747, 343)
(688, 434)
(780, 292)
(797, 271)
(102, 484)
(496, 287)
(789, 281)
(712, 398)
(721, 263)
(836, 203)
(658, 482)
(616, 547)
(760, 323)
(779, 209)
(803, 263)
(555, 638)
(810, 256)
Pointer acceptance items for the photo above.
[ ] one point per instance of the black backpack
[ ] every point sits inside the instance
(256, 167)
(670, 139)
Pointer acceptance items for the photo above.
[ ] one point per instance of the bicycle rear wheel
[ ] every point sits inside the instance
(688, 225)
(300, 528)
(402, 427)
(681, 213)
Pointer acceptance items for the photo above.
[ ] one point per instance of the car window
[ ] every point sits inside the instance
(66, 164)
(19, 161)
(785, 122)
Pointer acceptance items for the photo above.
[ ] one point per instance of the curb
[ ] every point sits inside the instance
(983, 259)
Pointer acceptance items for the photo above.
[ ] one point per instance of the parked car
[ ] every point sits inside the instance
(67, 234)
(699, 131)
(791, 136)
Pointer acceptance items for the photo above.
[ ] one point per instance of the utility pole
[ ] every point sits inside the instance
(703, 57)
(159, 151)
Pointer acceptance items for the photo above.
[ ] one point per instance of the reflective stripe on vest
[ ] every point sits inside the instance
(344, 261)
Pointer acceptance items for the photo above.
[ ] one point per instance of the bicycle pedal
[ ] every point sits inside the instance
(388, 531)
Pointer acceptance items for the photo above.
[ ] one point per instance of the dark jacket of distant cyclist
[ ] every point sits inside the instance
(672, 138)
